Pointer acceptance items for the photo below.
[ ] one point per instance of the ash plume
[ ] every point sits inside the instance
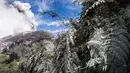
(16, 18)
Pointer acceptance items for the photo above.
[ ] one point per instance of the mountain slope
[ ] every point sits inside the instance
(19, 47)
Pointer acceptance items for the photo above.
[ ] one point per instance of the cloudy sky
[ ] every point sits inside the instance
(29, 15)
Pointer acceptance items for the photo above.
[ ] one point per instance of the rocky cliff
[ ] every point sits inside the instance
(17, 48)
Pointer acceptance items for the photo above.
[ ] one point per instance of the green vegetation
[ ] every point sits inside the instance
(11, 67)
(3, 57)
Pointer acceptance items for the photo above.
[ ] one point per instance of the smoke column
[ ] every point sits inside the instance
(16, 18)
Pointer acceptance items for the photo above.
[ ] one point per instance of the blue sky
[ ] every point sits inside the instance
(64, 8)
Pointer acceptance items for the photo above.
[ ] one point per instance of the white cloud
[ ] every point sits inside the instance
(56, 23)
(40, 20)
(42, 5)
(59, 23)
(15, 19)
(56, 31)
(74, 7)
(71, 1)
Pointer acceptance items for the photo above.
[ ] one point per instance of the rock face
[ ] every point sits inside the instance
(24, 45)
(101, 41)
